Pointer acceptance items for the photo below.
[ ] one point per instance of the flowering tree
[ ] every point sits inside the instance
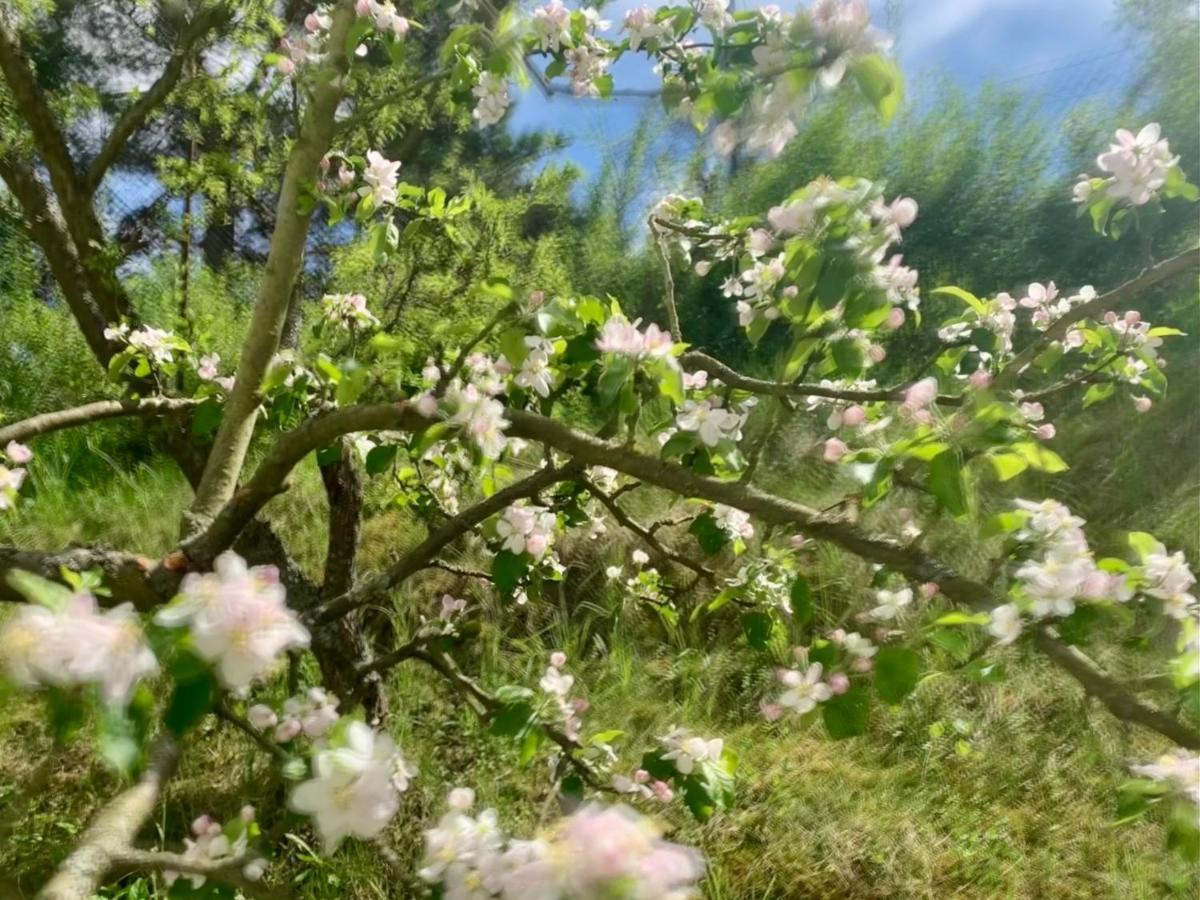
(215, 617)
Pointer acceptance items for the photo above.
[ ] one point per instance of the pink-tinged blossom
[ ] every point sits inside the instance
(355, 786)
(834, 449)
(527, 529)
(890, 604)
(980, 379)
(1045, 432)
(687, 750)
(481, 418)
(622, 337)
(839, 683)
(18, 454)
(711, 423)
(1179, 770)
(1005, 624)
(551, 24)
(380, 177)
(207, 370)
(262, 716)
(641, 27)
(79, 644)
(212, 844)
(238, 619)
(919, 396)
(1138, 165)
(733, 521)
(804, 689)
(348, 310)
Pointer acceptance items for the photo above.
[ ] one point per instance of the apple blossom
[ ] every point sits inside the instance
(10, 483)
(1138, 165)
(481, 418)
(891, 604)
(834, 450)
(348, 310)
(380, 178)
(18, 454)
(262, 716)
(1142, 404)
(733, 521)
(804, 689)
(527, 529)
(1005, 624)
(238, 619)
(686, 750)
(1180, 770)
(551, 24)
(355, 786)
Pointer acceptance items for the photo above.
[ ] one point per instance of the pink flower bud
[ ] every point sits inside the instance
(930, 589)
(641, 776)
(1141, 404)
(895, 319)
(834, 450)
(1045, 432)
(558, 659)
(839, 683)
(980, 379)
(312, 22)
(798, 542)
(262, 716)
(662, 791)
(536, 298)
(703, 267)
(202, 825)
(287, 730)
(363, 7)
(876, 353)
(791, 291)
(771, 711)
(427, 405)
(924, 416)
(285, 67)
(862, 665)
(853, 416)
(1133, 317)
(399, 26)
(580, 704)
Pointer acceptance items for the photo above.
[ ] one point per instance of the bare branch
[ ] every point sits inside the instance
(226, 871)
(113, 829)
(1189, 259)
(46, 423)
(223, 712)
(136, 115)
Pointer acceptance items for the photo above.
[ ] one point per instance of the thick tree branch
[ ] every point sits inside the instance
(292, 220)
(1189, 259)
(113, 830)
(131, 578)
(46, 227)
(46, 423)
(344, 491)
(206, 21)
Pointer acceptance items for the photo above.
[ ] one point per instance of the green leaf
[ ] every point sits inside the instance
(39, 590)
(698, 798)
(507, 570)
(845, 715)
(190, 700)
(206, 417)
(962, 618)
(802, 602)
(1040, 457)
(512, 719)
(1144, 544)
(965, 296)
(1009, 465)
(1098, 393)
(848, 357)
(709, 535)
(946, 482)
(897, 671)
(758, 626)
(66, 712)
(880, 80)
(380, 459)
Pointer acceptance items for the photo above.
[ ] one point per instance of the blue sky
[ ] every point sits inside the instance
(1049, 45)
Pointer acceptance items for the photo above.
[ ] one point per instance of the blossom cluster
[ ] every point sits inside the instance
(216, 844)
(357, 777)
(156, 345)
(1179, 771)
(12, 479)
(686, 751)
(309, 46)
(525, 528)
(312, 714)
(621, 337)
(557, 685)
(1063, 571)
(1137, 168)
(77, 644)
(238, 619)
(348, 311)
(598, 851)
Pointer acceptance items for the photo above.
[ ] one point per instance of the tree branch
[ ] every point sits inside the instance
(1119, 701)
(113, 829)
(696, 361)
(46, 423)
(284, 258)
(132, 578)
(226, 871)
(136, 115)
(424, 553)
(1189, 259)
